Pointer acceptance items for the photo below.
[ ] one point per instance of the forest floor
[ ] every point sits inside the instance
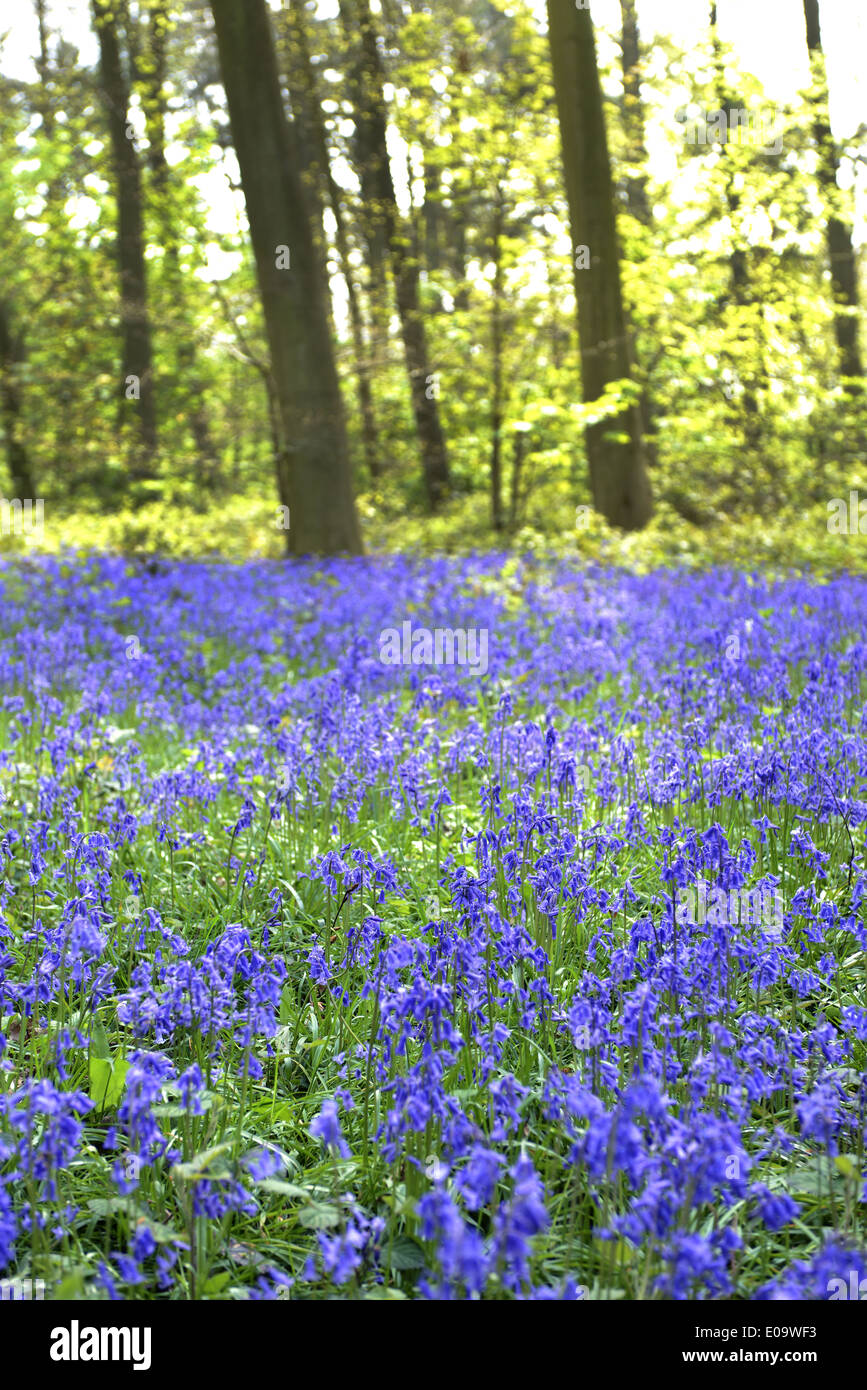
(537, 974)
(800, 538)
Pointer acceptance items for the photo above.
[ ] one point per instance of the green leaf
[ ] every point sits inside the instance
(71, 1288)
(107, 1081)
(847, 1164)
(216, 1282)
(109, 1206)
(318, 1217)
(197, 1165)
(99, 1042)
(286, 1189)
(624, 1253)
(406, 1253)
(812, 1179)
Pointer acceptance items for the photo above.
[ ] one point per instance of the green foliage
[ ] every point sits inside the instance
(749, 418)
(796, 538)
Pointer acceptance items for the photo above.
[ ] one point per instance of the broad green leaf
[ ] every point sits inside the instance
(406, 1253)
(319, 1218)
(107, 1081)
(99, 1042)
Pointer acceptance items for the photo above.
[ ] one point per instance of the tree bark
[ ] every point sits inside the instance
(637, 199)
(497, 365)
(154, 103)
(741, 293)
(43, 67)
(633, 114)
(615, 447)
(12, 356)
(137, 360)
(292, 57)
(247, 355)
(370, 109)
(518, 448)
(838, 235)
(309, 97)
(322, 507)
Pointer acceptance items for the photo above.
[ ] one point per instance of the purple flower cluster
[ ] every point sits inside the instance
(393, 963)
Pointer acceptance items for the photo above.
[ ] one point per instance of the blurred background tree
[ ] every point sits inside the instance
(137, 364)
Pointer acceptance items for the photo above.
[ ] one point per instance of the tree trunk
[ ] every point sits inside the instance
(497, 365)
(369, 106)
(43, 67)
(323, 518)
(247, 355)
(741, 295)
(154, 103)
(518, 449)
(293, 59)
(137, 384)
(309, 96)
(432, 217)
(366, 157)
(633, 115)
(12, 356)
(615, 447)
(637, 200)
(838, 235)
(460, 217)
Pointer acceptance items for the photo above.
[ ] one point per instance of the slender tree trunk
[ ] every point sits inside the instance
(742, 294)
(323, 517)
(433, 224)
(615, 447)
(370, 111)
(247, 355)
(13, 341)
(137, 383)
(12, 357)
(841, 253)
(154, 103)
(373, 215)
(518, 448)
(43, 67)
(633, 115)
(307, 80)
(460, 216)
(293, 57)
(637, 199)
(497, 365)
